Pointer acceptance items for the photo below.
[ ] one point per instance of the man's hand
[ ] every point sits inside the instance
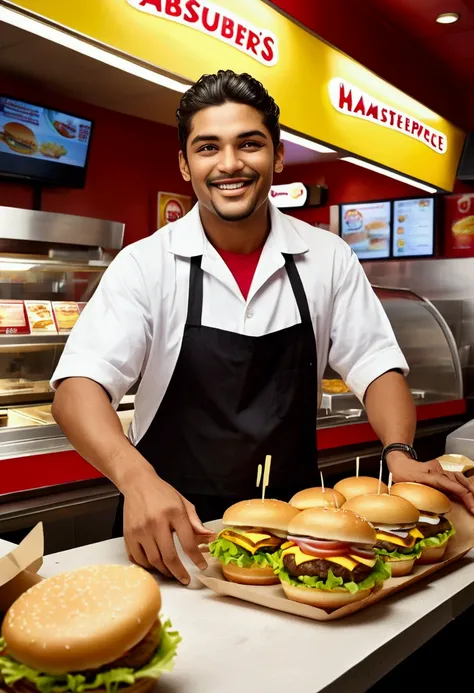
(153, 510)
(431, 473)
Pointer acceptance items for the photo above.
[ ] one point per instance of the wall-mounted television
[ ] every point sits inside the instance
(366, 227)
(414, 227)
(43, 145)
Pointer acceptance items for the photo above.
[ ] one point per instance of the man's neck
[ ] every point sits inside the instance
(244, 236)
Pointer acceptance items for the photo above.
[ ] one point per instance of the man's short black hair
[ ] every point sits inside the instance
(227, 87)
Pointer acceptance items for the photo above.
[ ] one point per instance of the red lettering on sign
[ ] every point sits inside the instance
(205, 20)
(407, 124)
(173, 8)
(399, 121)
(268, 53)
(442, 143)
(373, 111)
(345, 99)
(191, 14)
(239, 38)
(434, 140)
(415, 127)
(392, 117)
(426, 135)
(252, 41)
(155, 3)
(227, 28)
(383, 115)
(360, 108)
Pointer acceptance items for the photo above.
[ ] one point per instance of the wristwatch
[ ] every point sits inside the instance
(402, 447)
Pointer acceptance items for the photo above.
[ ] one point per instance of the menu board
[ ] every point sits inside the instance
(66, 314)
(13, 318)
(366, 228)
(459, 225)
(413, 227)
(40, 316)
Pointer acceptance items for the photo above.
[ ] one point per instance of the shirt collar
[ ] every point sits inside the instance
(188, 238)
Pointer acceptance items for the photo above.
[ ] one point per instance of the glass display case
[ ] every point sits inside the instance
(429, 348)
(50, 265)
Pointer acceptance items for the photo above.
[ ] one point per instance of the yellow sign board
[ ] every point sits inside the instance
(172, 207)
(188, 38)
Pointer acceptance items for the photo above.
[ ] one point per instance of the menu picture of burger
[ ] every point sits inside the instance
(13, 318)
(366, 228)
(66, 314)
(19, 138)
(459, 225)
(418, 217)
(40, 316)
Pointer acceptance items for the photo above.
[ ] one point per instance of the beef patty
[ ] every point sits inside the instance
(388, 546)
(320, 568)
(432, 530)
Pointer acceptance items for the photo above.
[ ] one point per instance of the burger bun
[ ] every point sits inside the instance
(268, 514)
(332, 523)
(250, 576)
(359, 485)
(432, 554)
(323, 599)
(383, 508)
(317, 497)
(423, 497)
(401, 568)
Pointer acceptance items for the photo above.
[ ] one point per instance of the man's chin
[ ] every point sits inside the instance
(234, 215)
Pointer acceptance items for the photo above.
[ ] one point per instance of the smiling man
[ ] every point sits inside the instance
(229, 316)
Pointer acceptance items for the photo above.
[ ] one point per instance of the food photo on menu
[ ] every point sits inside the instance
(414, 227)
(40, 316)
(366, 228)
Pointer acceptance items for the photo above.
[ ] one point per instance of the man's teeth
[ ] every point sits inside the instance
(230, 186)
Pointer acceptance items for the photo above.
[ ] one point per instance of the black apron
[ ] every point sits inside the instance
(232, 400)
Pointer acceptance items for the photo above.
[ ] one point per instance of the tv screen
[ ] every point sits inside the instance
(366, 228)
(43, 145)
(414, 227)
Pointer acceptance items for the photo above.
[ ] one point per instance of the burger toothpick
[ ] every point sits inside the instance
(380, 478)
(357, 466)
(266, 475)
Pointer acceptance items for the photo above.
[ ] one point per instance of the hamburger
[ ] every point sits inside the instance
(91, 629)
(329, 559)
(434, 527)
(249, 545)
(394, 519)
(359, 486)
(20, 138)
(317, 497)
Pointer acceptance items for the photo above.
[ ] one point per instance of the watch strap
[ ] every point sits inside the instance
(402, 447)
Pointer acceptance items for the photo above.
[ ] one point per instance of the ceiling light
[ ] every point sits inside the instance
(80, 46)
(303, 142)
(390, 174)
(447, 18)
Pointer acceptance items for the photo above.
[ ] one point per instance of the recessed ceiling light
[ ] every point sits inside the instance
(447, 18)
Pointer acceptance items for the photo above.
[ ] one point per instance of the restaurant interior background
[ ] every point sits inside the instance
(133, 156)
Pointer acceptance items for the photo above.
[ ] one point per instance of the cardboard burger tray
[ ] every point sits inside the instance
(273, 596)
(19, 568)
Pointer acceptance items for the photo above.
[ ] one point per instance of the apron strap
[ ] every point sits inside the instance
(298, 289)
(195, 292)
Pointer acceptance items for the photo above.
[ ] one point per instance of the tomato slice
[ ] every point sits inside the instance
(318, 552)
(363, 553)
(320, 543)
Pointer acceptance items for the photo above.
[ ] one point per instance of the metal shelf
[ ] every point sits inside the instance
(29, 342)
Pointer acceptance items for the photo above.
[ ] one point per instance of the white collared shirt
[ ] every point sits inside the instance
(134, 323)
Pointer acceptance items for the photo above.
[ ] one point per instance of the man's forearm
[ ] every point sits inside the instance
(84, 413)
(391, 410)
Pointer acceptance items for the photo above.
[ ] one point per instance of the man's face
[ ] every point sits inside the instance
(230, 160)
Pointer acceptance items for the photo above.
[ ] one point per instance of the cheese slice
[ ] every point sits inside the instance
(287, 545)
(407, 543)
(416, 533)
(369, 562)
(250, 541)
(345, 561)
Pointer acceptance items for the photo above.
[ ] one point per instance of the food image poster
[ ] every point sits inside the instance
(366, 228)
(40, 316)
(66, 314)
(459, 225)
(41, 133)
(13, 318)
(172, 207)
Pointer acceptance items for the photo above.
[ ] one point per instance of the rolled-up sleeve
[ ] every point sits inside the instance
(109, 341)
(363, 345)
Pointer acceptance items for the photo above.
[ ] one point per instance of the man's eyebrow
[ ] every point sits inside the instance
(241, 136)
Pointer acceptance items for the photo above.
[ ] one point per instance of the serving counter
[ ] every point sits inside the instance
(232, 646)
(57, 260)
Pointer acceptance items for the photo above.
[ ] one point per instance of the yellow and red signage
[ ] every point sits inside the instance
(188, 38)
(172, 207)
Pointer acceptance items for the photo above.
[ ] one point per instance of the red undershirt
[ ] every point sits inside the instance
(242, 267)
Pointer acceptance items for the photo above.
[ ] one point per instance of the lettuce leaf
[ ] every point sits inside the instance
(397, 556)
(227, 552)
(437, 540)
(12, 671)
(381, 571)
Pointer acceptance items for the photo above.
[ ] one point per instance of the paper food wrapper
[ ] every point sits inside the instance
(18, 569)
(273, 596)
(456, 463)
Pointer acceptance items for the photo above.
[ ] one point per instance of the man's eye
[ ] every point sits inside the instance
(207, 148)
(252, 145)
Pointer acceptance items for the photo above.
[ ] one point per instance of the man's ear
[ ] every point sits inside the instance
(184, 168)
(279, 158)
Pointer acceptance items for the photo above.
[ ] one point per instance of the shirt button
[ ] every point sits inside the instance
(250, 314)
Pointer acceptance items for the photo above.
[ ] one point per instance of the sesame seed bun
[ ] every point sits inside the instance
(384, 509)
(358, 485)
(423, 497)
(317, 498)
(83, 619)
(331, 523)
(20, 138)
(269, 514)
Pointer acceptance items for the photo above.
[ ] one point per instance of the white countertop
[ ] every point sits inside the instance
(235, 646)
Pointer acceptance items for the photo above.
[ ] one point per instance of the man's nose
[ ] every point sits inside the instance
(230, 162)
